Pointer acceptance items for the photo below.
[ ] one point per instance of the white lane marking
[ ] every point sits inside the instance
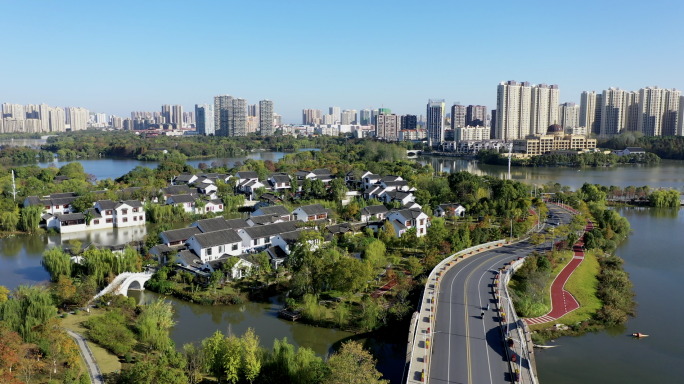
(451, 291)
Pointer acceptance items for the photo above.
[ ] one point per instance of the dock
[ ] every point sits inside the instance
(289, 315)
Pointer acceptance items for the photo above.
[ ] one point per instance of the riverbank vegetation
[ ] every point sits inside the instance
(589, 159)
(666, 147)
(600, 284)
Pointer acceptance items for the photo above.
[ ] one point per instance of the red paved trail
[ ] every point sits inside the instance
(562, 302)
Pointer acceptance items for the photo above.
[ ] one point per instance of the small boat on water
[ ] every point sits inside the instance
(639, 335)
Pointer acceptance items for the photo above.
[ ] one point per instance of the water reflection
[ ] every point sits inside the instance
(668, 174)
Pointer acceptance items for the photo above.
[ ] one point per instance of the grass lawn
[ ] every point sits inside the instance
(567, 257)
(107, 361)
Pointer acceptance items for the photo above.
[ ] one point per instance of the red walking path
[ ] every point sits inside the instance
(562, 302)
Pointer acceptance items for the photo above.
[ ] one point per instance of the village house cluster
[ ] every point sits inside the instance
(203, 247)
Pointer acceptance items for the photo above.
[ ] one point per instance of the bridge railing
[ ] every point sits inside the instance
(423, 309)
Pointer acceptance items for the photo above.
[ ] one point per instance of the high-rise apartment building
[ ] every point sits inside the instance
(513, 110)
(680, 118)
(476, 115)
(277, 120)
(374, 116)
(458, 115)
(632, 111)
(238, 118)
(56, 119)
(613, 111)
(568, 115)
(253, 110)
(177, 116)
(365, 117)
(336, 112)
(312, 116)
(658, 111)
(222, 103)
(266, 117)
(15, 111)
(409, 122)
(167, 113)
(348, 117)
(77, 118)
(590, 111)
(204, 114)
(493, 124)
(189, 118)
(543, 108)
(328, 119)
(387, 127)
(435, 121)
(116, 122)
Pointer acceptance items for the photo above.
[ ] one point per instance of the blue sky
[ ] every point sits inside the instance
(119, 56)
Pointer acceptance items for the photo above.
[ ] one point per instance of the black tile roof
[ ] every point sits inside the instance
(269, 230)
(237, 223)
(181, 234)
(106, 204)
(190, 258)
(177, 190)
(183, 198)
(211, 225)
(247, 175)
(212, 239)
(291, 237)
(313, 209)
(264, 219)
(274, 210)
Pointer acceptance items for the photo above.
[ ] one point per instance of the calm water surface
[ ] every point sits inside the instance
(655, 261)
(668, 174)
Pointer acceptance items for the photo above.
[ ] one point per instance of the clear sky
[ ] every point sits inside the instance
(119, 56)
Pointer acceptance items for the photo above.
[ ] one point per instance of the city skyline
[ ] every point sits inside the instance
(119, 85)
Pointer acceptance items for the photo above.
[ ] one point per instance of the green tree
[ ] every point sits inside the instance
(251, 360)
(29, 220)
(352, 364)
(414, 266)
(375, 253)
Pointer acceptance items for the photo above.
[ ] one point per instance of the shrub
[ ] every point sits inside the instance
(111, 332)
(128, 357)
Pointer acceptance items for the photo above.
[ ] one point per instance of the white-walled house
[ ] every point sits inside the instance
(373, 211)
(215, 205)
(392, 196)
(56, 203)
(184, 178)
(178, 236)
(259, 237)
(310, 213)
(185, 201)
(105, 214)
(279, 181)
(214, 245)
(450, 210)
(369, 179)
(405, 219)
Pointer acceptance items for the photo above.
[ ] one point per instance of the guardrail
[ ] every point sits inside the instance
(432, 284)
(503, 278)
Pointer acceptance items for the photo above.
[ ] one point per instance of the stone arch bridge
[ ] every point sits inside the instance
(125, 281)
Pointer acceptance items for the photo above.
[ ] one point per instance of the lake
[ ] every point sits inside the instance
(668, 174)
(108, 167)
(652, 254)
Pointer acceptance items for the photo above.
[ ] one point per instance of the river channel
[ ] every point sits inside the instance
(652, 254)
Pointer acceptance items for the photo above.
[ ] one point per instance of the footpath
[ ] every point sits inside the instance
(562, 301)
(93, 369)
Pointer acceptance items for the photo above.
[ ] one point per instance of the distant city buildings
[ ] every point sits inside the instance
(266, 117)
(409, 122)
(523, 109)
(435, 121)
(652, 111)
(204, 115)
(387, 127)
(458, 115)
(365, 118)
(569, 115)
(312, 116)
(476, 115)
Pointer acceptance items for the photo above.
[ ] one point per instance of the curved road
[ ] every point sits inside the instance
(467, 347)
